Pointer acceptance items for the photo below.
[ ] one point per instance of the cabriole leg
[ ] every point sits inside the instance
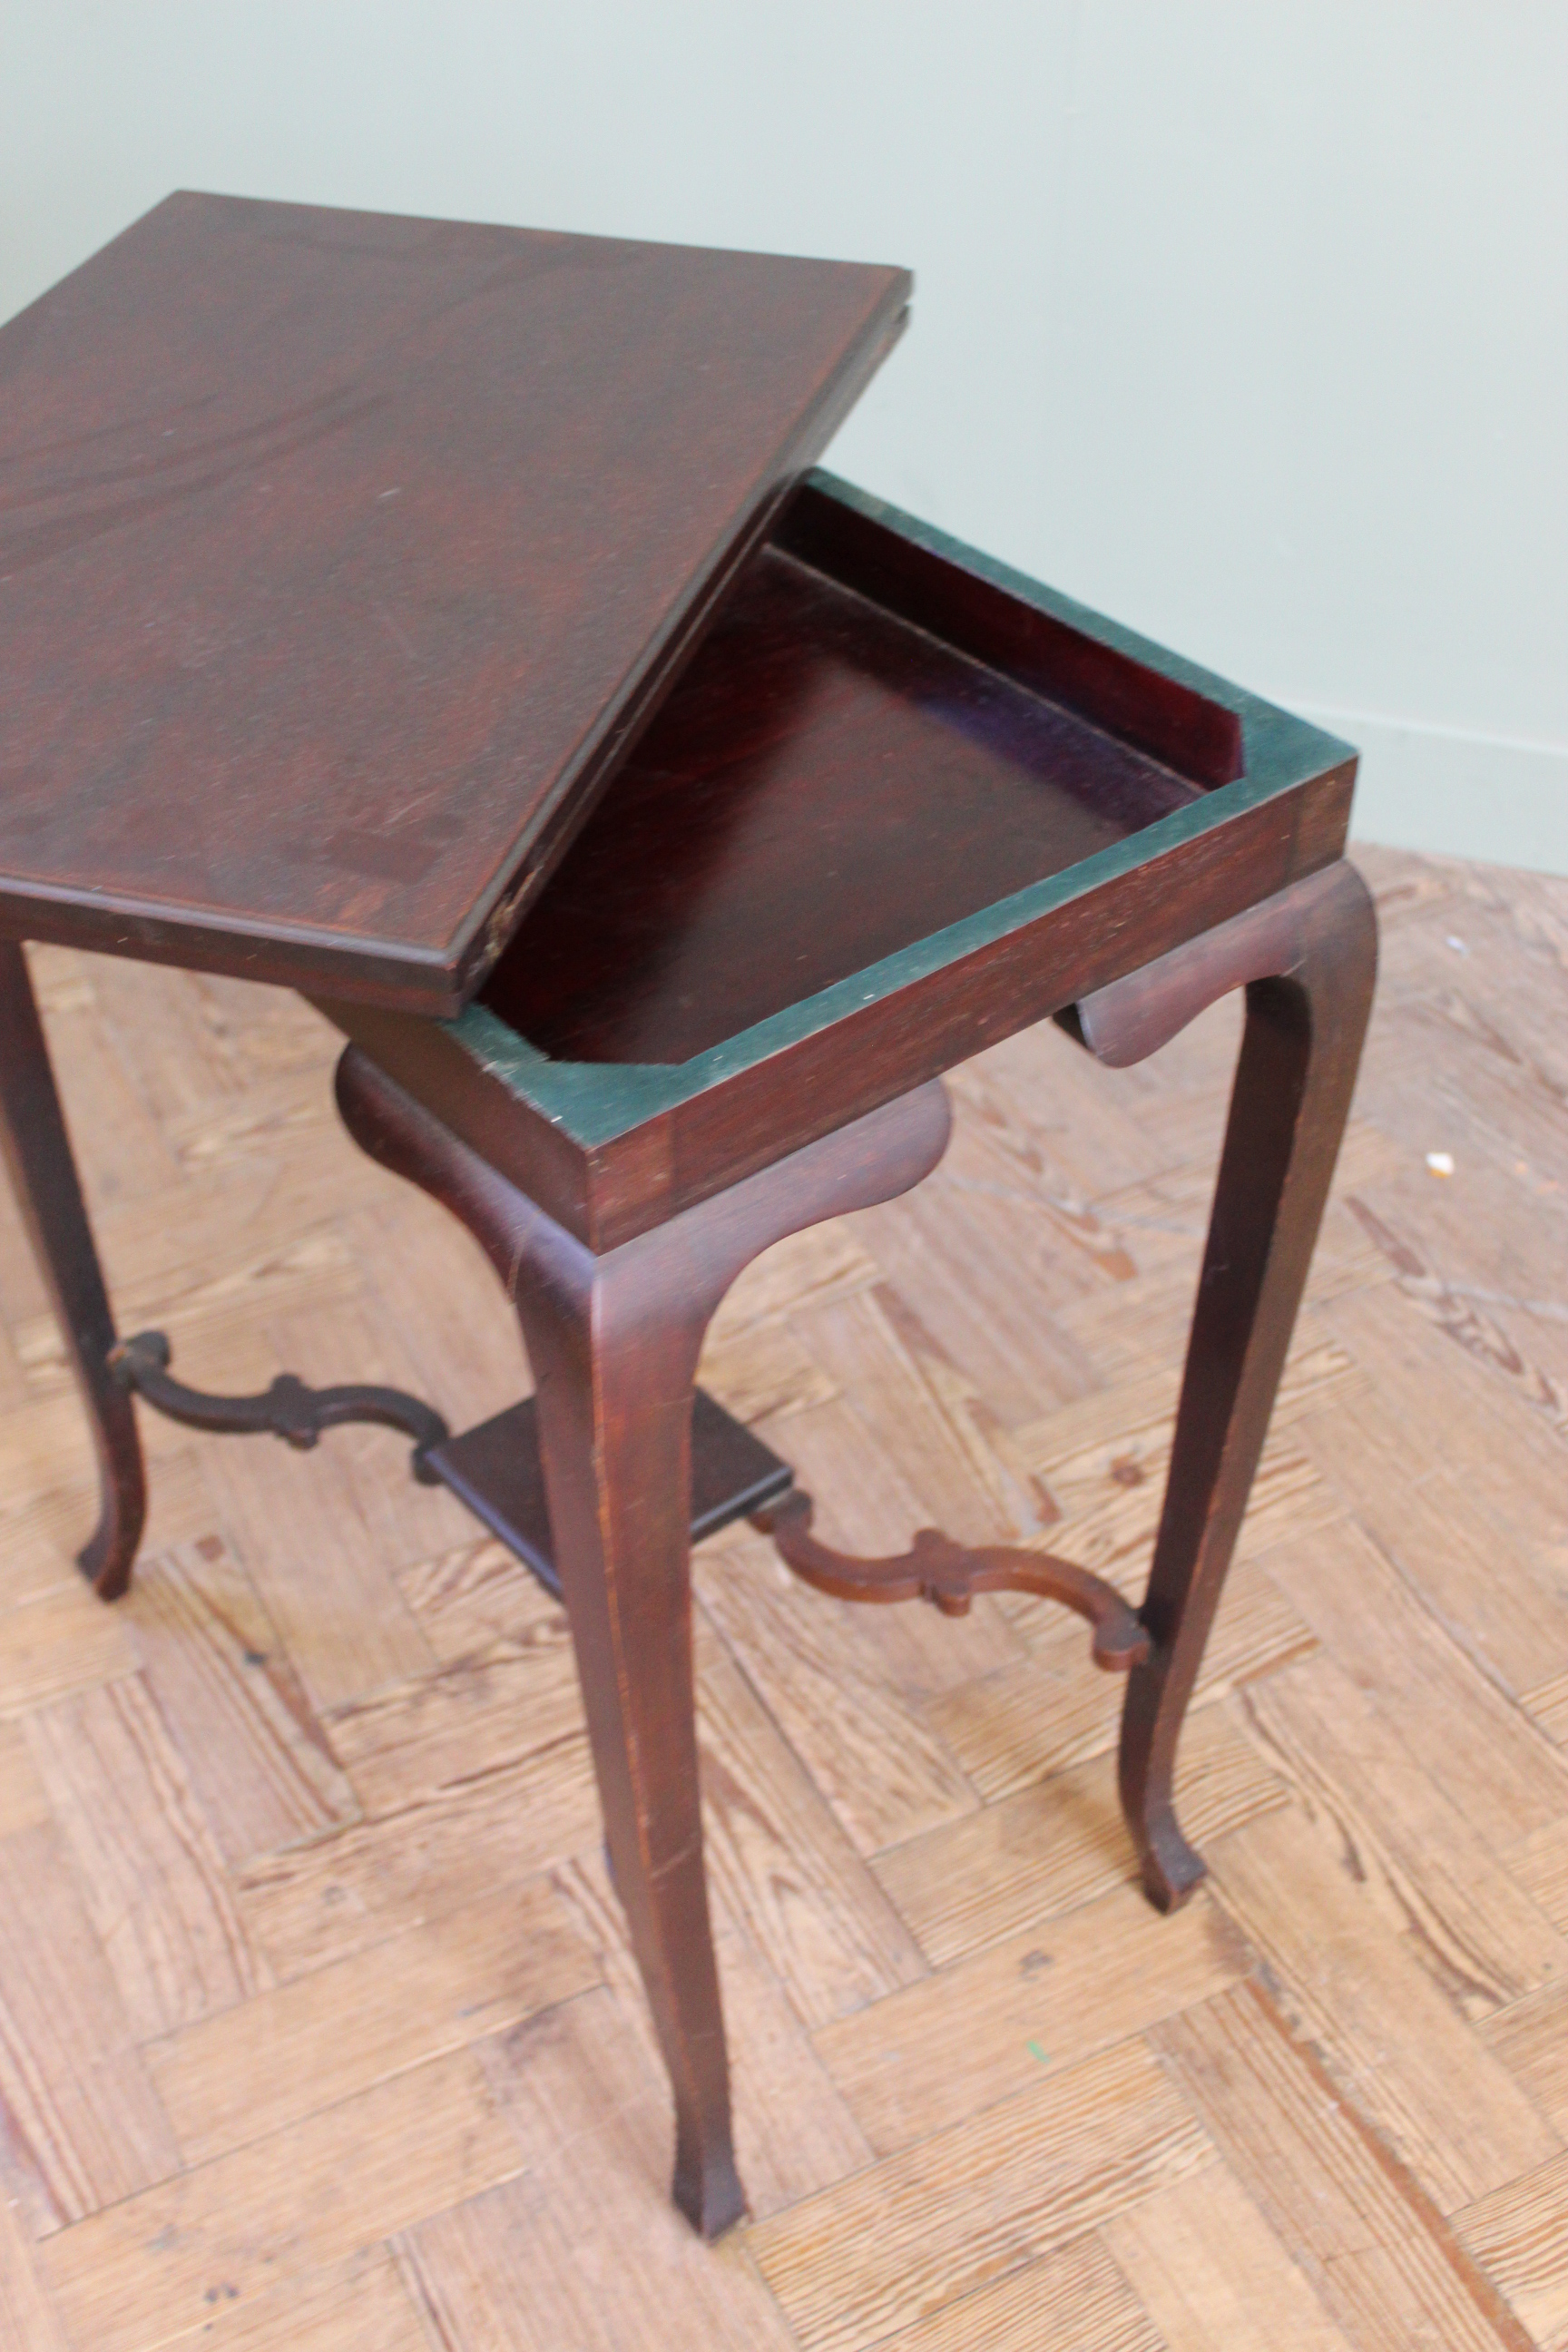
(43, 1172)
(613, 1343)
(1309, 960)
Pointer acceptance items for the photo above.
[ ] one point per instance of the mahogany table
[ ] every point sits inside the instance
(891, 803)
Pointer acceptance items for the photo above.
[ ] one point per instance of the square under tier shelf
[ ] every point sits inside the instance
(496, 1470)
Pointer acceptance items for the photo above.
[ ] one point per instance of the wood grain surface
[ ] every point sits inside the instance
(319, 2026)
(388, 528)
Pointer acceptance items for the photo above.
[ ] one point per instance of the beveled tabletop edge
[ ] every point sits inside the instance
(154, 932)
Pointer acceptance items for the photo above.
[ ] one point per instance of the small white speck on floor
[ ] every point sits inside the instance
(1441, 1163)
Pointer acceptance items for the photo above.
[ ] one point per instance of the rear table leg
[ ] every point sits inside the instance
(1308, 959)
(38, 1156)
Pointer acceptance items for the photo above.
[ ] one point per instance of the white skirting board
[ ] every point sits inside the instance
(1460, 795)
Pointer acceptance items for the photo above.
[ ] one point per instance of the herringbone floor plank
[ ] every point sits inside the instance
(318, 2028)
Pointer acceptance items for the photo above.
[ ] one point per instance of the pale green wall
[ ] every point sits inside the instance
(1245, 321)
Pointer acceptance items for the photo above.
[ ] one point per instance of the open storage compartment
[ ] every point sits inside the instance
(871, 742)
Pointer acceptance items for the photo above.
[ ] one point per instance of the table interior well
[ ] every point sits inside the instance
(827, 783)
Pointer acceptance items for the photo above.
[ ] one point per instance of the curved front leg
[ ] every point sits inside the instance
(38, 1156)
(1308, 959)
(613, 1343)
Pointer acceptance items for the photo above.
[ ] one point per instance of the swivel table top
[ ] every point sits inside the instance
(341, 553)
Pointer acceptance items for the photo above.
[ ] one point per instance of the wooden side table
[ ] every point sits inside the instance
(898, 806)
(899, 803)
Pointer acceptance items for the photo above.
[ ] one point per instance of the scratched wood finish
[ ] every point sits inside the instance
(985, 2097)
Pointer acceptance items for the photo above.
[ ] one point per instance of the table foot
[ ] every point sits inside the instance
(1171, 1870)
(949, 1575)
(707, 2191)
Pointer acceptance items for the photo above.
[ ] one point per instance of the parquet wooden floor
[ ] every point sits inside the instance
(317, 2025)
